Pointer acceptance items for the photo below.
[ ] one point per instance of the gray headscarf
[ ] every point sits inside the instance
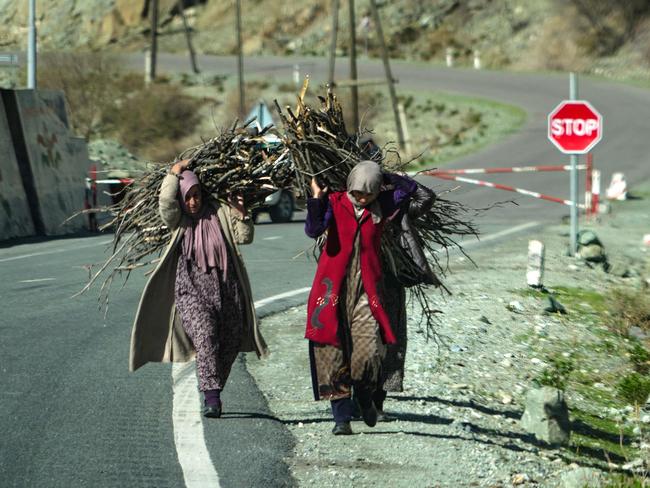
(366, 177)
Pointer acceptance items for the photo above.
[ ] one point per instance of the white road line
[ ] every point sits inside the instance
(503, 233)
(38, 280)
(274, 298)
(272, 238)
(53, 251)
(193, 455)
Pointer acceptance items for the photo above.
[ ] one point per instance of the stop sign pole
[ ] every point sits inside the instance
(573, 95)
(574, 127)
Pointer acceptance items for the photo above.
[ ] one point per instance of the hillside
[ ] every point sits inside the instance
(598, 36)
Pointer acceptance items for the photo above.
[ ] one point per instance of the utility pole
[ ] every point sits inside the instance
(154, 39)
(335, 29)
(188, 37)
(353, 68)
(240, 60)
(31, 46)
(389, 75)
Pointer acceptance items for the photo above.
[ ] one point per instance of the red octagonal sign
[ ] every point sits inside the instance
(575, 127)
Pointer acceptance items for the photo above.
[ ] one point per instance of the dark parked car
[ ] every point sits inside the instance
(280, 206)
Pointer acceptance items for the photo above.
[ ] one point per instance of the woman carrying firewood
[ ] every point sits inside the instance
(347, 324)
(395, 283)
(198, 300)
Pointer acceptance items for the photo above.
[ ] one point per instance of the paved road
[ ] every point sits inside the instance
(71, 414)
(624, 108)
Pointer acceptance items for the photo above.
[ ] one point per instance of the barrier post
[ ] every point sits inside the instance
(535, 269)
(588, 186)
(595, 192)
(449, 57)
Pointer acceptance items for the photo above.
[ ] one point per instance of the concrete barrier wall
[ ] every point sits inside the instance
(15, 217)
(58, 160)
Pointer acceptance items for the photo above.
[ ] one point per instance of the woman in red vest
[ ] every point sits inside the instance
(347, 325)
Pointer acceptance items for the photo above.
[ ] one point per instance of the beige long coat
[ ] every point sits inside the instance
(157, 333)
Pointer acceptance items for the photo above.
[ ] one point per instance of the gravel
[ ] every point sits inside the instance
(457, 421)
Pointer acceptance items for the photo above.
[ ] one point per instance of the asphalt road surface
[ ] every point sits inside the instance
(71, 414)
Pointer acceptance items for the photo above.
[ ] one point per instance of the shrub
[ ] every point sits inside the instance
(634, 388)
(90, 84)
(154, 116)
(557, 47)
(640, 358)
(104, 101)
(611, 22)
(557, 373)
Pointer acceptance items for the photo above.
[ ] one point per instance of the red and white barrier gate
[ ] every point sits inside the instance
(591, 198)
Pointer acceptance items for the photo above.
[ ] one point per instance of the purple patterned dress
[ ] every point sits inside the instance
(211, 310)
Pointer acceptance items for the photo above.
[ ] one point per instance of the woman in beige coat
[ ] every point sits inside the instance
(198, 301)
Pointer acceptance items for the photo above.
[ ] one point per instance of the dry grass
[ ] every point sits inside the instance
(558, 46)
(629, 309)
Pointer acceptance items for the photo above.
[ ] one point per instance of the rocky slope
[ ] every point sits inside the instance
(545, 34)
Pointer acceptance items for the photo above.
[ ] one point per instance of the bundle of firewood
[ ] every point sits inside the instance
(238, 161)
(321, 148)
(314, 143)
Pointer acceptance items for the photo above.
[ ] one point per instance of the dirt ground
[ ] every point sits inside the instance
(456, 423)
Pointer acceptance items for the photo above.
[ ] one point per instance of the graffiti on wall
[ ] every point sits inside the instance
(51, 157)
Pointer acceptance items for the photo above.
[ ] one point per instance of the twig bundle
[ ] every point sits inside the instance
(237, 161)
(320, 147)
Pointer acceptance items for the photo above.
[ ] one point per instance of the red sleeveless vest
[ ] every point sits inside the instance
(323, 303)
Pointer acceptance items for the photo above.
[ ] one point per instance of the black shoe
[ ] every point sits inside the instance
(368, 410)
(342, 428)
(212, 411)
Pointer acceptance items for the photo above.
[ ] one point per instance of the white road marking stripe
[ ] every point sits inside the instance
(54, 251)
(503, 233)
(37, 280)
(193, 455)
(272, 238)
(274, 298)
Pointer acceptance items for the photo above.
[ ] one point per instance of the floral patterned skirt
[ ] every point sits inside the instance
(210, 307)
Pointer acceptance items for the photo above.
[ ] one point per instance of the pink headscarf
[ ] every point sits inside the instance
(203, 239)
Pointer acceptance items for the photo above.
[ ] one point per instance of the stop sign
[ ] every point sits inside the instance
(575, 127)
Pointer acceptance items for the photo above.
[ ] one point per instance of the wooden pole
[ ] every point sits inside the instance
(154, 39)
(240, 60)
(188, 37)
(353, 68)
(335, 30)
(389, 75)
